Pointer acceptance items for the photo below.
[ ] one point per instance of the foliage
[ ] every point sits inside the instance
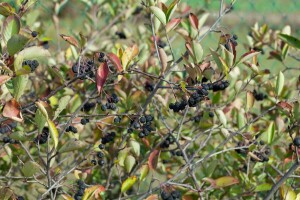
(113, 113)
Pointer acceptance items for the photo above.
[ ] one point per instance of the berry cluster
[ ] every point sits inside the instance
(100, 156)
(84, 121)
(232, 40)
(174, 195)
(42, 138)
(178, 106)
(111, 103)
(220, 85)
(169, 140)
(259, 96)
(144, 124)
(121, 35)
(71, 129)
(108, 138)
(80, 192)
(176, 153)
(88, 106)
(84, 68)
(33, 64)
(9, 140)
(149, 87)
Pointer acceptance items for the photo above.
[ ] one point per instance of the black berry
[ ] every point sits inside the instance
(296, 142)
(211, 114)
(34, 33)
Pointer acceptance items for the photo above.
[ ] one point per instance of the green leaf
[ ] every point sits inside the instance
(228, 56)
(91, 191)
(292, 41)
(6, 9)
(128, 183)
(271, 132)
(197, 51)
(216, 58)
(63, 102)
(221, 117)
(42, 109)
(225, 181)
(40, 120)
(6, 193)
(263, 187)
(72, 145)
(279, 83)
(18, 135)
(53, 132)
(241, 119)
(135, 147)
(250, 100)
(122, 155)
(159, 14)
(144, 172)
(30, 168)
(171, 9)
(30, 53)
(247, 56)
(16, 43)
(11, 26)
(19, 84)
(129, 163)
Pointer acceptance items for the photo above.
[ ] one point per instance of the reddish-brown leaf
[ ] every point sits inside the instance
(153, 159)
(152, 197)
(101, 75)
(70, 40)
(172, 24)
(194, 20)
(285, 105)
(4, 78)
(12, 110)
(115, 61)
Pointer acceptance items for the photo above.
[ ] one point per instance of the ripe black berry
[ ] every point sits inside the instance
(101, 57)
(178, 153)
(94, 162)
(101, 146)
(20, 198)
(129, 130)
(121, 35)
(149, 87)
(88, 106)
(103, 107)
(117, 119)
(296, 142)
(141, 135)
(197, 118)
(211, 114)
(234, 36)
(34, 33)
(143, 119)
(101, 162)
(100, 155)
(84, 121)
(6, 140)
(71, 129)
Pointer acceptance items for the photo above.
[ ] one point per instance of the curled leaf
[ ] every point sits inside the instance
(70, 40)
(101, 76)
(153, 159)
(164, 59)
(115, 61)
(53, 132)
(128, 183)
(194, 20)
(12, 110)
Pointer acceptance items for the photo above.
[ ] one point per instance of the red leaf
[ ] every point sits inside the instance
(12, 110)
(101, 75)
(115, 61)
(153, 159)
(194, 20)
